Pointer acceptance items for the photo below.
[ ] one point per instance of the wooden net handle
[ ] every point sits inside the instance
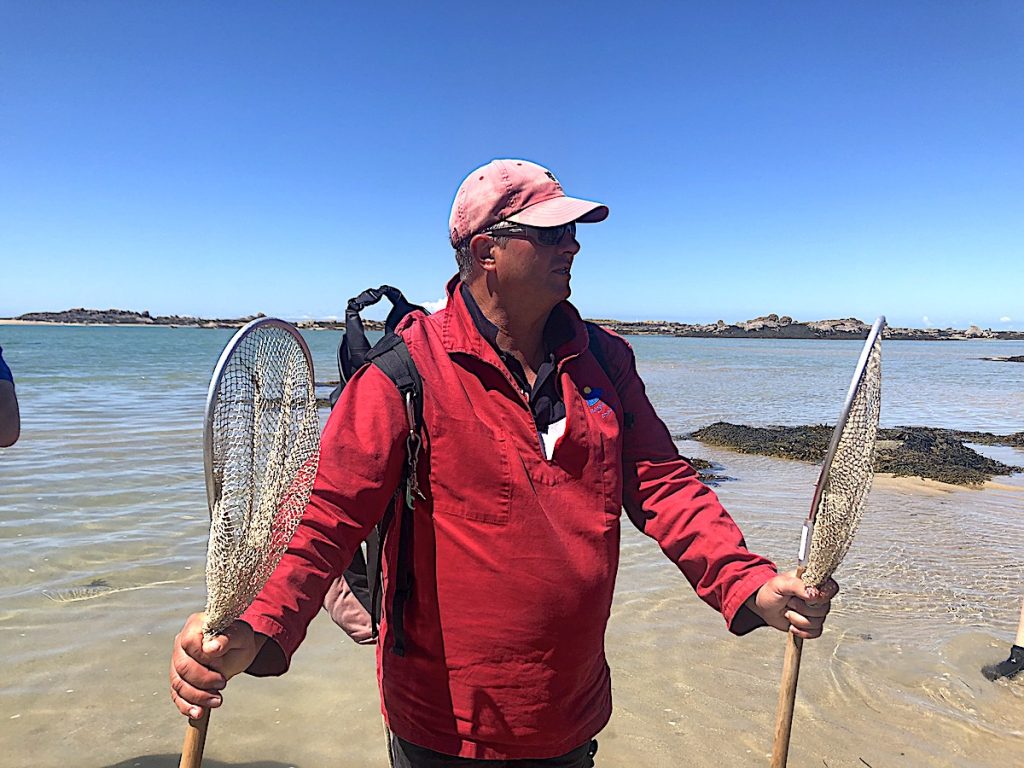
(195, 740)
(787, 700)
(787, 695)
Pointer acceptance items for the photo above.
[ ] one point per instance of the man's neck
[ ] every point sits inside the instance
(520, 330)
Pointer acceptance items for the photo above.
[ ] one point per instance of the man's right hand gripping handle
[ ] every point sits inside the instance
(201, 669)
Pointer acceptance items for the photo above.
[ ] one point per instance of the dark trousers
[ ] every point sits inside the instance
(406, 755)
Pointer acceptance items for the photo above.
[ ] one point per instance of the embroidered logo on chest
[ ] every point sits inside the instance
(594, 402)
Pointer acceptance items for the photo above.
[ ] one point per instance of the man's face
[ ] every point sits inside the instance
(531, 274)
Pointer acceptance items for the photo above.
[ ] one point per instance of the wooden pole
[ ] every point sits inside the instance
(195, 740)
(787, 701)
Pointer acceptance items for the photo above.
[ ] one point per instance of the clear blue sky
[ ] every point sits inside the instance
(804, 158)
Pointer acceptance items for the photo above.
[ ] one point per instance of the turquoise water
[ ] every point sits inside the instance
(103, 527)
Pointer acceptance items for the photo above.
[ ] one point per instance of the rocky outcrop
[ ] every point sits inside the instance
(935, 454)
(338, 325)
(1005, 359)
(775, 327)
(82, 316)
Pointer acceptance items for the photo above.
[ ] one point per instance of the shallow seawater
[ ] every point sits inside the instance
(103, 540)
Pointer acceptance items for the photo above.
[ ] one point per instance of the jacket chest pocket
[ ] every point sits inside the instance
(470, 475)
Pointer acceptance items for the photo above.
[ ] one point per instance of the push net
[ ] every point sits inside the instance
(262, 453)
(846, 476)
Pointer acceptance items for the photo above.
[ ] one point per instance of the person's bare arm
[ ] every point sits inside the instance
(10, 416)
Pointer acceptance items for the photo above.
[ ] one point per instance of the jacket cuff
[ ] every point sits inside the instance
(273, 658)
(738, 618)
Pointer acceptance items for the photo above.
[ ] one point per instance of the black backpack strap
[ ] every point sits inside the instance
(357, 579)
(403, 575)
(371, 596)
(392, 356)
(594, 333)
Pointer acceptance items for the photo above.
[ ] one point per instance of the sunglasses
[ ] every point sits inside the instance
(540, 235)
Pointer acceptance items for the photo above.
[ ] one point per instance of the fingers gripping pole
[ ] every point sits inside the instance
(195, 740)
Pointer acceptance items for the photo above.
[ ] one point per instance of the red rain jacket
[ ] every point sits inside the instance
(514, 556)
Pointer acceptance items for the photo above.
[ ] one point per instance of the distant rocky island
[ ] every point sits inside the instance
(767, 327)
(81, 316)
(776, 327)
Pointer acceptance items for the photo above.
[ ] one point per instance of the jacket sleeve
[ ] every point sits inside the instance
(664, 498)
(362, 452)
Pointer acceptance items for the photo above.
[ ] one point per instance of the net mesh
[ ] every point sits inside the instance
(265, 448)
(847, 479)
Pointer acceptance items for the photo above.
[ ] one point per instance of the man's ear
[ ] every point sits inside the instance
(482, 247)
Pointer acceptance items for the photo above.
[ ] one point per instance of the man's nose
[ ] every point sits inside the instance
(569, 244)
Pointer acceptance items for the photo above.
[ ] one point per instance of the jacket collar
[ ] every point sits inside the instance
(460, 333)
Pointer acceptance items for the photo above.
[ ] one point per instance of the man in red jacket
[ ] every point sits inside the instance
(533, 446)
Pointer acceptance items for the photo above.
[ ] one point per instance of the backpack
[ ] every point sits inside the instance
(355, 599)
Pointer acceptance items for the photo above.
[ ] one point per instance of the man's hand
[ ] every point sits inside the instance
(201, 668)
(786, 604)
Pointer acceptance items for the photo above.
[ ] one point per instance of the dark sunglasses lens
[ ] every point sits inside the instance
(554, 235)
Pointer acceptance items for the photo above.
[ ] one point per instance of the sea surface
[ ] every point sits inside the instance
(103, 527)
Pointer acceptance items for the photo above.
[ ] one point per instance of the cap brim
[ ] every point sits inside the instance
(560, 210)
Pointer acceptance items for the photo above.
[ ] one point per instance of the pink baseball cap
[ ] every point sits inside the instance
(517, 191)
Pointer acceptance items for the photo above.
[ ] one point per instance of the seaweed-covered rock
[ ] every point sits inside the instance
(936, 454)
(710, 473)
(700, 464)
(803, 443)
(1014, 440)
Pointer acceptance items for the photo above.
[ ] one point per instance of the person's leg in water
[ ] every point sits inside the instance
(1015, 663)
(1007, 668)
